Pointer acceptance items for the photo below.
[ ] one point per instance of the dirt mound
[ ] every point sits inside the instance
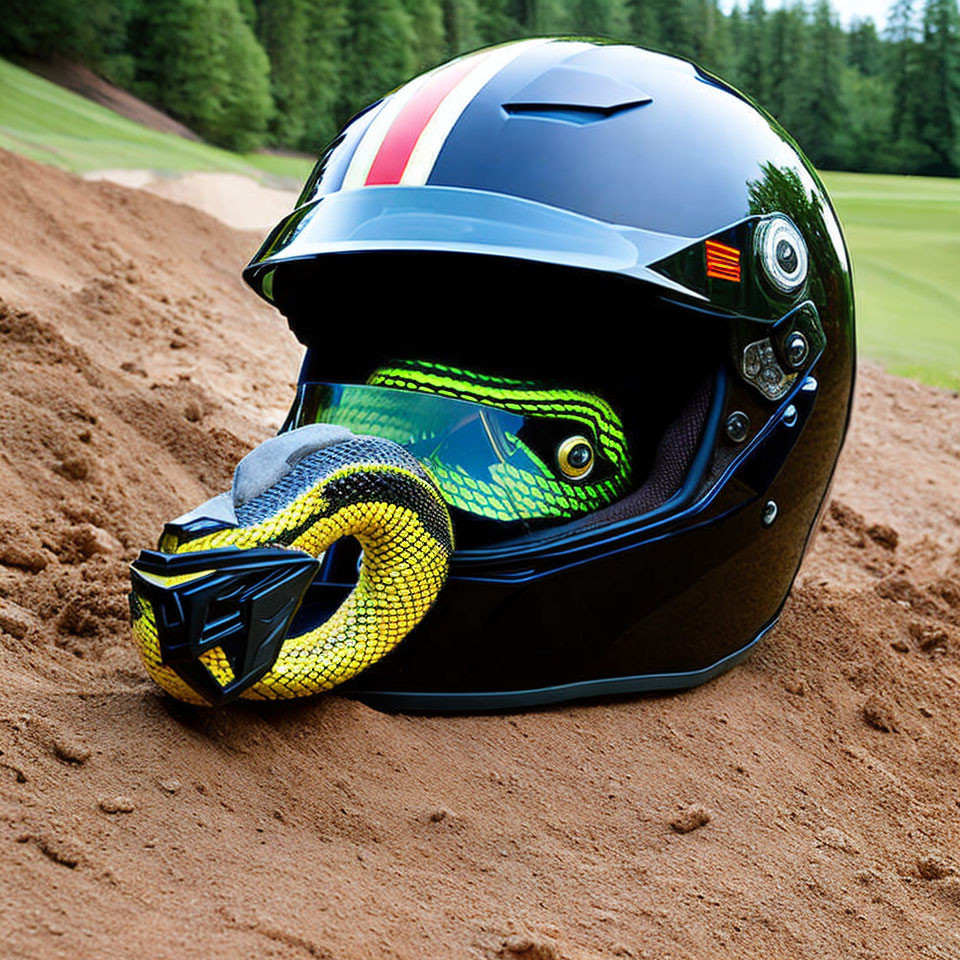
(80, 79)
(236, 200)
(804, 805)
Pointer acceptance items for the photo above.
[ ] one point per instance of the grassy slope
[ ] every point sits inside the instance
(54, 125)
(904, 232)
(904, 237)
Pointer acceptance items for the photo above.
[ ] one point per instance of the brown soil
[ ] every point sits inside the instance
(80, 79)
(236, 200)
(805, 804)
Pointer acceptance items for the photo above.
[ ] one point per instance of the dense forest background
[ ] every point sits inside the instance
(289, 73)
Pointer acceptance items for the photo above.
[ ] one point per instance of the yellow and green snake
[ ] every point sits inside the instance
(538, 490)
(370, 488)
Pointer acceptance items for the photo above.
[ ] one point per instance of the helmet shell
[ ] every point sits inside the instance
(593, 175)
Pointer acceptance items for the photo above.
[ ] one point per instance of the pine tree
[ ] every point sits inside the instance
(460, 25)
(863, 143)
(736, 31)
(429, 38)
(324, 115)
(710, 36)
(599, 18)
(248, 10)
(823, 114)
(902, 36)
(786, 80)
(93, 32)
(282, 29)
(938, 111)
(751, 68)
(200, 61)
(245, 107)
(541, 17)
(644, 24)
(496, 21)
(864, 47)
(378, 54)
(676, 35)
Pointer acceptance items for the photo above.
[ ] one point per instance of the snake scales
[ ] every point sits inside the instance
(372, 489)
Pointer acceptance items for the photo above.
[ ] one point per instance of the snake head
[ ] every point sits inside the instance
(216, 611)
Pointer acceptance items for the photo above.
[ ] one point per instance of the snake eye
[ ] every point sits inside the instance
(782, 254)
(575, 457)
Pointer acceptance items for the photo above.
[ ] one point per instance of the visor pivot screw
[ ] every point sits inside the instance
(738, 426)
(770, 511)
(796, 349)
(790, 416)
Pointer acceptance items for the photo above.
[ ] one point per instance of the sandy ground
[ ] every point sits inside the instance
(232, 198)
(821, 778)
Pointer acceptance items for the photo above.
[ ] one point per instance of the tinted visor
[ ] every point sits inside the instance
(487, 462)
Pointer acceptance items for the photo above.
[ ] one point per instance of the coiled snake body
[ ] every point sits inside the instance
(374, 490)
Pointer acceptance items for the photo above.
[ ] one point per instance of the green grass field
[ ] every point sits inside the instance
(904, 238)
(903, 232)
(54, 125)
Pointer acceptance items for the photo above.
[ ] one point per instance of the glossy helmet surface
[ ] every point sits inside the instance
(617, 221)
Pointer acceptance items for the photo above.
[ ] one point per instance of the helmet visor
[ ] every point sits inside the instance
(458, 220)
(488, 462)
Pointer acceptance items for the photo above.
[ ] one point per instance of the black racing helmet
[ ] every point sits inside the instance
(604, 301)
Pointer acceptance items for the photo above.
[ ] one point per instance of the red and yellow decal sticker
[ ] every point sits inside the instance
(723, 262)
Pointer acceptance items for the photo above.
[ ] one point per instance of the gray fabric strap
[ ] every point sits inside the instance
(219, 507)
(265, 465)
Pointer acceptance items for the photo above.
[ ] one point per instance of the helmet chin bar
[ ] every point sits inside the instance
(216, 611)
(240, 601)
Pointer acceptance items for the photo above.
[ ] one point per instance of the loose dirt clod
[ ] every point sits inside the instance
(690, 818)
(60, 850)
(93, 541)
(74, 468)
(13, 554)
(933, 867)
(836, 839)
(71, 750)
(116, 804)
(879, 715)
(15, 620)
(929, 636)
(524, 947)
(795, 685)
(884, 535)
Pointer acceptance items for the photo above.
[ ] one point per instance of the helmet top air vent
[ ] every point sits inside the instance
(575, 95)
